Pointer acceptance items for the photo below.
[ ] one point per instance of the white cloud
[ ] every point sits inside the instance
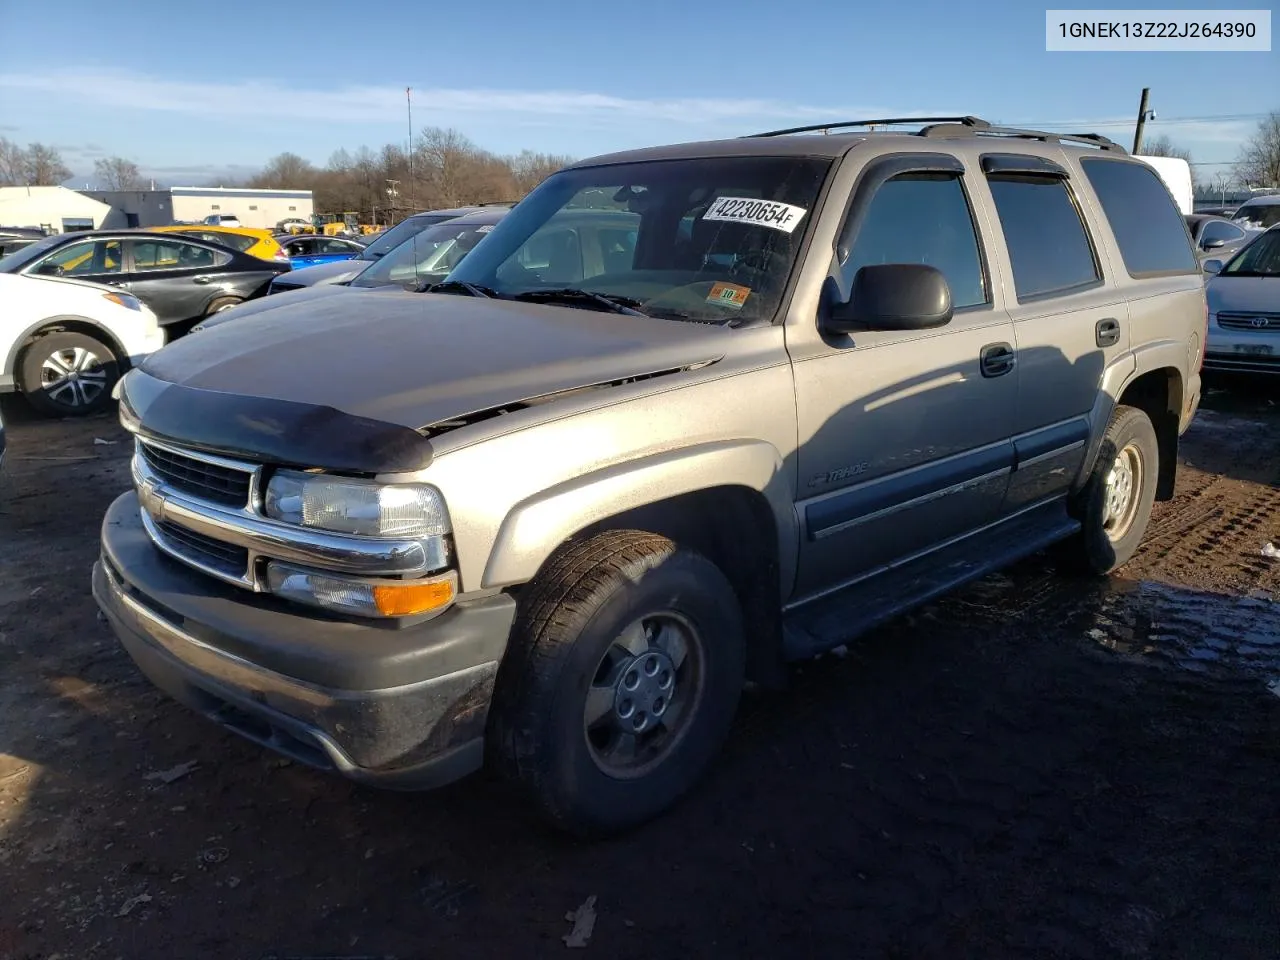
(378, 104)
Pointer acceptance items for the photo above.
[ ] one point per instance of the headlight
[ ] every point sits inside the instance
(360, 507)
(124, 300)
(364, 598)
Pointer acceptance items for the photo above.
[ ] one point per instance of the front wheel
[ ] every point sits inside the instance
(624, 672)
(68, 374)
(1115, 504)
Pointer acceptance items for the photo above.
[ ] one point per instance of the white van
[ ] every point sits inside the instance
(1176, 174)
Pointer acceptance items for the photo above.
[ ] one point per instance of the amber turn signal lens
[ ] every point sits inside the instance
(409, 598)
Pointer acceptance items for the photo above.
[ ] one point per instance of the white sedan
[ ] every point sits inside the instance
(64, 343)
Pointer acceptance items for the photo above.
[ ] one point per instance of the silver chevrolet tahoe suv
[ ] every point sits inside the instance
(685, 415)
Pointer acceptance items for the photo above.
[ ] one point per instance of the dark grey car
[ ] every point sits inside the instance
(180, 278)
(1215, 236)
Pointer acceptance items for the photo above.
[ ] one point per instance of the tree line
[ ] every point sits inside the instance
(446, 169)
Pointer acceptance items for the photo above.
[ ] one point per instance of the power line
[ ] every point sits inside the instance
(1221, 118)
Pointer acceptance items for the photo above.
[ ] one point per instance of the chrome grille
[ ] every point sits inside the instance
(204, 551)
(1249, 321)
(200, 478)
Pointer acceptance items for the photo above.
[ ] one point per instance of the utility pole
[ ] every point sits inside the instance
(1143, 116)
(409, 105)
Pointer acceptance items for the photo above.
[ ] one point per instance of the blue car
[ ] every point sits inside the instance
(307, 250)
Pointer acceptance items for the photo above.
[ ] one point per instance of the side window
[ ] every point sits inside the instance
(923, 218)
(1220, 230)
(1148, 227)
(151, 255)
(83, 259)
(333, 246)
(1048, 245)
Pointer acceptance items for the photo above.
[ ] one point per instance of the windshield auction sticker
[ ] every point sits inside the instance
(760, 213)
(728, 295)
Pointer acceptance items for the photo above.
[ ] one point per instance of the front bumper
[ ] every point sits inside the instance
(395, 707)
(1242, 362)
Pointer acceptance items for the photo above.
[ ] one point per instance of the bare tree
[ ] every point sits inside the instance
(287, 171)
(13, 163)
(1259, 162)
(528, 169)
(44, 166)
(117, 173)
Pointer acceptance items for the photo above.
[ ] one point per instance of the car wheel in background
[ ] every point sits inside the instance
(68, 374)
(222, 303)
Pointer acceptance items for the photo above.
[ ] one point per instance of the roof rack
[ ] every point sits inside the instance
(958, 127)
(824, 127)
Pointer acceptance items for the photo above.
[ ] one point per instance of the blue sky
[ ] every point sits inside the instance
(192, 92)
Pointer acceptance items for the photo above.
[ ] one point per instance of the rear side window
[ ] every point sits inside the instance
(923, 218)
(1148, 226)
(1048, 245)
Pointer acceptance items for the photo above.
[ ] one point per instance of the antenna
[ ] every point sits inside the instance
(409, 105)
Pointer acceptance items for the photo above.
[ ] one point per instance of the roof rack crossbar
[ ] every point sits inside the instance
(960, 130)
(971, 123)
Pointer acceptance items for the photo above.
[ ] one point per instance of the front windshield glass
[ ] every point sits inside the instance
(710, 239)
(425, 257)
(20, 258)
(1259, 259)
(390, 239)
(1259, 216)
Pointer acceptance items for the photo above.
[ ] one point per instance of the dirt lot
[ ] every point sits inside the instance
(1033, 768)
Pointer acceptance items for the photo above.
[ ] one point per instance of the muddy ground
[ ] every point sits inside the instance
(1032, 768)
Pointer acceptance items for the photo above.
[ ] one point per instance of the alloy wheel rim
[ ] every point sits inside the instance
(73, 377)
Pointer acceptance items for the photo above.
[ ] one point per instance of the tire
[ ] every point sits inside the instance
(567, 642)
(222, 303)
(1110, 535)
(68, 374)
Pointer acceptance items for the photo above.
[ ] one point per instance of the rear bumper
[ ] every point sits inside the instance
(401, 708)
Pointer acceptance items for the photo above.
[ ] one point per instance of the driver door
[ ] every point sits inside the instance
(98, 261)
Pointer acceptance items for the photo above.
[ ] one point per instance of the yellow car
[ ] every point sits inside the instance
(251, 240)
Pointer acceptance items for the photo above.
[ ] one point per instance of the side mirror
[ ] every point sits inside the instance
(1213, 243)
(1212, 266)
(894, 296)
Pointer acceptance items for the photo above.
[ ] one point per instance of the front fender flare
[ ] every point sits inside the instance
(538, 525)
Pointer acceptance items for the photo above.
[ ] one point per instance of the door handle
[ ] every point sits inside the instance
(997, 359)
(1107, 332)
(202, 279)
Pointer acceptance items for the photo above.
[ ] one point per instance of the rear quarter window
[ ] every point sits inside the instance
(1148, 227)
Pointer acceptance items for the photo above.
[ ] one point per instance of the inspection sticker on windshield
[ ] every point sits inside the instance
(728, 295)
(485, 228)
(760, 213)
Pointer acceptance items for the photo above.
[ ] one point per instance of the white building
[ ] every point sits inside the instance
(54, 209)
(155, 208)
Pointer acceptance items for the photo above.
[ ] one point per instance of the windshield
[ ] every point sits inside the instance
(424, 257)
(1258, 215)
(1259, 259)
(388, 240)
(20, 258)
(710, 240)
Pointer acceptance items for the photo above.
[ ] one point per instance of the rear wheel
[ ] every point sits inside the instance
(620, 684)
(222, 303)
(1115, 504)
(68, 374)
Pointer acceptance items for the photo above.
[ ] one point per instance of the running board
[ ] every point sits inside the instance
(830, 621)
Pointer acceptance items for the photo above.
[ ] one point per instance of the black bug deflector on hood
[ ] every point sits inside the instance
(268, 430)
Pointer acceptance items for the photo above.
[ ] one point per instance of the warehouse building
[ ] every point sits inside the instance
(156, 208)
(51, 209)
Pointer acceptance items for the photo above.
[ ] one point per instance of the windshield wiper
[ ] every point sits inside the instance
(625, 305)
(457, 286)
